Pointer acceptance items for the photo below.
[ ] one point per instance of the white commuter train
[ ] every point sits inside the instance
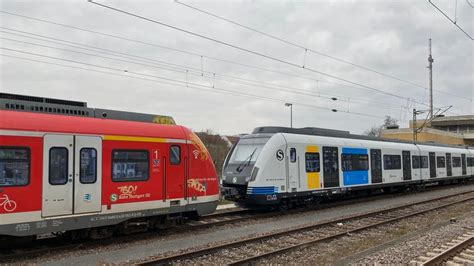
(277, 165)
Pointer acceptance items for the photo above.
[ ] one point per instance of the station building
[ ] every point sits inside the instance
(453, 130)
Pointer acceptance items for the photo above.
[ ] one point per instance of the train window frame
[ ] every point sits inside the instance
(50, 166)
(80, 164)
(28, 160)
(469, 161)
(318, 159)
(416, 162)
(424, 162)
(113, 160)
(442, 159)
(392, 156)
(353, 158)
(173, 160)
(457, 160)
(293, 155)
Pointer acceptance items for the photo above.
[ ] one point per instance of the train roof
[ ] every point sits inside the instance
(39, 122)
(26, 103)
(324, 132)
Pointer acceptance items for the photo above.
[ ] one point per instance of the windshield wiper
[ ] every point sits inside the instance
(246, 162)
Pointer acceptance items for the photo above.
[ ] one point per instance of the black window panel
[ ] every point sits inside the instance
(292, 155)
(175, 154)
(331, 166)
(406, 155)
(449, 169)
(463, 164)
(432, 162)
(14, 166)
(416, 162)
(312, 162)
(355, 162)
(130, 165)
(456, 161)
(441, 162)
(470, 161)
(424, 162)
(58, 165)
(88, 166)
(376, 165)
(391, 162)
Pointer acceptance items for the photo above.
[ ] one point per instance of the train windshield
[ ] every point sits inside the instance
(247, 150)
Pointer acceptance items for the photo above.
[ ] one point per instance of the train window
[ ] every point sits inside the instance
(130, 165)
(424, 162)
(416, 162)
(14, 166)
(355, 162)
(456, 161)
(293, 155)
(470, 161)
(440, 162)
(88, 166)
(312, 162)
(391, 162)
(58, 165)
(175, 154)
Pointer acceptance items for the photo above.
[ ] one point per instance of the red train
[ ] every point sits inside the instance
(91, 177)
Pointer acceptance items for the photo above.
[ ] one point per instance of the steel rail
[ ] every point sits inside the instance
(213, 249)
(450, 252)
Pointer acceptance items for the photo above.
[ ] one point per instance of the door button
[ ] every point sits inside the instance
(70, 180)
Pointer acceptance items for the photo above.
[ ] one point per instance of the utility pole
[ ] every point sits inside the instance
(291, 113)
(430, 67)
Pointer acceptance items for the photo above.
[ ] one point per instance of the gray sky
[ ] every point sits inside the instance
(387, 36)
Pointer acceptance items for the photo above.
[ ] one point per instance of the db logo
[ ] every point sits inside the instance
(272, 197)
(280, 155)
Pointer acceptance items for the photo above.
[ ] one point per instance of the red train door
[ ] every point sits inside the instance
(71, 174)
(175, 172)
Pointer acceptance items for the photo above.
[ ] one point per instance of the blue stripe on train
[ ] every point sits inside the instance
(262, 190)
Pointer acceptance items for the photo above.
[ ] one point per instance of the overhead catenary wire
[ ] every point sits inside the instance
(170, 81)
(211, 75)
(247, 50)
(450, 19)
(200, 55)
(306, 49)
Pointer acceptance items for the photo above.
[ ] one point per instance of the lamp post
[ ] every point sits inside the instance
(291, 113)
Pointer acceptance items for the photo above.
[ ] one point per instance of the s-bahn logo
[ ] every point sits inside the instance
(113, 197)
(7, 204)
(280, 155)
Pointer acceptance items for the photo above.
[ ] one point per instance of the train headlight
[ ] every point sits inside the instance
(254, 174)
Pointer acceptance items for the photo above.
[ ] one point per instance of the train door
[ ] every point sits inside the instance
(87, 174)
(376, 165)
(58, 185)
(406, 158)
(463, 164)
(449, 169)
(293, 170)
(175, 172)
(432, 158)
(331, 167)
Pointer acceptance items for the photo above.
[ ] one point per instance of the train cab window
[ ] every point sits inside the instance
(88, 166)
(416, 162)
(292, 155)
(58, 165)
(456, 161)
(130, 165)
(175, 154)
(312, 162)
(392, 162)
(424, 162)
(355, 162)
(440, 162)
(14, 166)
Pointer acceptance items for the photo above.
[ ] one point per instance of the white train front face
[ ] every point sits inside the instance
(264, 169)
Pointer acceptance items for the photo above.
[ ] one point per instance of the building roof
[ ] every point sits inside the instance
(453, 120)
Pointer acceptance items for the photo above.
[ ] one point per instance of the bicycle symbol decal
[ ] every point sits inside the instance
(8, 204)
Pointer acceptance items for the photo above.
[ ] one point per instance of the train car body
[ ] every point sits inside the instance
(63, 173)
(275, 165)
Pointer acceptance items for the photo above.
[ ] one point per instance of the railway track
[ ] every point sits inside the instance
(244, 251)
(459, 251)
(215, 219)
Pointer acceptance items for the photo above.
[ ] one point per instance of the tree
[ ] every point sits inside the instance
(375, 131)
(217, 147)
